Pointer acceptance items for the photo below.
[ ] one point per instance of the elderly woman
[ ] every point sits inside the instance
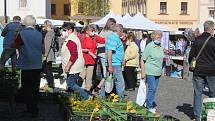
(151, 67)
(131, 62)
(89, 42)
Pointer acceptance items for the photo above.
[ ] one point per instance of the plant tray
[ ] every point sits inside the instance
(73, 115)
(85, 116)
(118, 112)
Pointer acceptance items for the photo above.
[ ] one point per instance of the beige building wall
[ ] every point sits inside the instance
(60, 9)
(173, 19)
(116, 6)
(205, 6)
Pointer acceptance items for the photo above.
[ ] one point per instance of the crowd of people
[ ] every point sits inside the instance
(115, 53)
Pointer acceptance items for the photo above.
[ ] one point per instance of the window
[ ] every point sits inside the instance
(183, 7)
(66, 9)
(211, 13)
(53, 9)
(80, 7)
(163, 8)
(22, 3)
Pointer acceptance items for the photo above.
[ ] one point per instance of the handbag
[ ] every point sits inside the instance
(194, 59)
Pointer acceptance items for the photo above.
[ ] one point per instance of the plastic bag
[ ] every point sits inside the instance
(109, 83)
(141, 94)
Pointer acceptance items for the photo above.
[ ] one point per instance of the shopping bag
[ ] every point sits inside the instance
(141, 94)
(109, 83)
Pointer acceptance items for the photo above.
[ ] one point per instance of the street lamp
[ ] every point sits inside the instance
(5, 10)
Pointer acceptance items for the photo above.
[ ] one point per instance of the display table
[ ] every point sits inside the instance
(176, 66)
(177, 58)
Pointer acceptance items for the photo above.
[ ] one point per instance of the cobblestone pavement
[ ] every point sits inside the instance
(174, 97)
(48, 112)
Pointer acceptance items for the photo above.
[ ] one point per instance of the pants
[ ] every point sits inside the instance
(72, 85)
(119, 82)
(30, 82)
(6, 54)
(198, 85)
(130, 75)
(103, 66)
(47, 69)
(87, 74)
(152, 88)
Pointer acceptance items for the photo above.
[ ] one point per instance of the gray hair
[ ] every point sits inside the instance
(118, 27)
(155, 33)
(48, 23)
(208, 25)
(29, 20)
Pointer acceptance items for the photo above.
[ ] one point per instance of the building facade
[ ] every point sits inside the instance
(116, 6)
(207, 8)
(38, 8)
(175, 14)
(61, 9)
(133, 6)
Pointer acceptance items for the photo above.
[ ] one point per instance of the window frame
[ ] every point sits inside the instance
(184, 8)
(64, 9)
(21, 3)
(53, 10)
(163, 8)
(211, 11)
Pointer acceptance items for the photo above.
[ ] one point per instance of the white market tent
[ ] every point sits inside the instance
(118, 18)
(126, 17)
(142, 23)
(55, 22)
(138, 22)
(102, 22)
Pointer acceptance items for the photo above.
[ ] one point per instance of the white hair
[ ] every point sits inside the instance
(155, 33)
(29, 20)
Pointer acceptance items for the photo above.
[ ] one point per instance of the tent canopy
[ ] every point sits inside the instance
(55, 22)
(126, 17)
(102, 22)
(142, 23)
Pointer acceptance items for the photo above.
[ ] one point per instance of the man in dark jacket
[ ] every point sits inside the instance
(29, 44)
(205, 66)
(9, 33)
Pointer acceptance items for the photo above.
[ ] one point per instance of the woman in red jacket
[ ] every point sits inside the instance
(89, 42)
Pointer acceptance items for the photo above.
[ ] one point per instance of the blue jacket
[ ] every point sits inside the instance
(30, 53)
(9, 33)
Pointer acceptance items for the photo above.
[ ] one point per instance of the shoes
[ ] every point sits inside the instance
(144, 105)
(152, 110)
(205, 89)
(47, 88)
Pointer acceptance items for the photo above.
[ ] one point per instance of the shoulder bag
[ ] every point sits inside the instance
(194, 59)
